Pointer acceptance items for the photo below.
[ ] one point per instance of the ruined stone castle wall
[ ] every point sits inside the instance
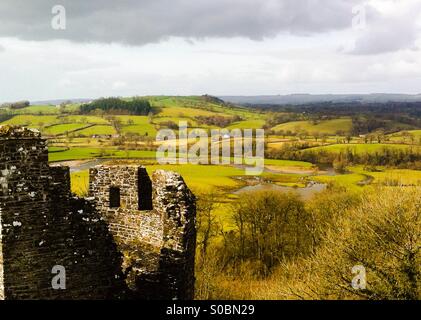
(24, 189)
(157, 218)
(128, 221)
(177, 207)
(41, 227)
(134, 238)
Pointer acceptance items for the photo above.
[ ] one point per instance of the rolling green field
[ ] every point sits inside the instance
(362, 148)
(350, 180)
(127, 119)
(193, 106)
(416, 133)
(174, 109)
(60, 129)
(72, 138)
(190, 122)
(97, 130)
(387, 176)
(85, 119)
(411, 136)
(91, 153)
(202, 178)
(247, 124)
(38, 110)
(46, 109)
(330, 127)
(137, 124)
(33, 121)
(185, 111)
(147, 130)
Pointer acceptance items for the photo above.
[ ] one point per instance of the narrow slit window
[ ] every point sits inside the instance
(114, 197)
(145, 192)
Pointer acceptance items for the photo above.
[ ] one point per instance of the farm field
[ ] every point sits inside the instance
(32, 121)
(92, 153)
(85, 119)
(172, 109)
(191, 123)
(75, 136)
(362, 148)
(247, 124)
(410, 136)
(97, 130)
(385, 176)
(330, 127)
(185, 111)
(46, 109)
(60, 129)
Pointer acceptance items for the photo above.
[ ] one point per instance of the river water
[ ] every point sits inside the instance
(305, 193)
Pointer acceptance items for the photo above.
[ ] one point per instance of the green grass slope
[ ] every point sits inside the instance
(330, 127)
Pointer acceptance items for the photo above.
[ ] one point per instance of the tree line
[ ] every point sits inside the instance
(136, 106)
(219, 121)
(280, 247)
(409, 158)
(16, 105)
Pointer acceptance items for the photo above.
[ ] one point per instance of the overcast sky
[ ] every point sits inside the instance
(219, 47)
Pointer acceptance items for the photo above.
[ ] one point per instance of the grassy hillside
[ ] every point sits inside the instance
(362, 148)
(60, 129)
(247, 124)
(167, 109)
(97, 130)
(33, 121)
(411, 136)
(91, 153)
(330, 127)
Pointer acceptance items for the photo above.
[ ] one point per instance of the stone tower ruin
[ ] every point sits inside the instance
(133, 238)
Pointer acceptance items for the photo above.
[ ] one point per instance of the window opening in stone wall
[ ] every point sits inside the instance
(114, 197)
(145, 192)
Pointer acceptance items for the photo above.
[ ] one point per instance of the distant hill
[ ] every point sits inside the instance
(58, 101)
(299, 99)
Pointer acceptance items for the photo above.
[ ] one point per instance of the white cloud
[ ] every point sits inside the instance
(289, 57)
(391, 26)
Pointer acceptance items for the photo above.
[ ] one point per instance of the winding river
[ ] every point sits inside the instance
(306, 193)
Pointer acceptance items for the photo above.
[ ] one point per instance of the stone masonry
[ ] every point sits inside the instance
(133, 238)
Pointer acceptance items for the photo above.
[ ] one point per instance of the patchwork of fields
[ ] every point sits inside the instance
(78, 137)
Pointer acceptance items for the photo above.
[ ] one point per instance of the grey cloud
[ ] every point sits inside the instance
(139, 22)
(389, 33)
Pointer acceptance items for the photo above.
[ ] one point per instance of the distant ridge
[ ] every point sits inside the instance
(298, 99)
(58, 101)
(290, 99)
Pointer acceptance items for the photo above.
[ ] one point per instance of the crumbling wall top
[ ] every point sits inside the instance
(10, 131)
